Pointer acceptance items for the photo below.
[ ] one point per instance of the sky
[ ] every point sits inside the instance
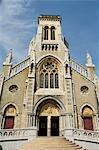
(80, 26)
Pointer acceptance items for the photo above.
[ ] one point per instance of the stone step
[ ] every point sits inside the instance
(50, 143)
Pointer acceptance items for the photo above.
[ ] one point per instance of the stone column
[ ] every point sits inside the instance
(49, 33)
(80, 120)
(16, 123)
(62, 124)
(34, 120)
(96, 117)
(69, 121)
(1, 117)
(48, 125)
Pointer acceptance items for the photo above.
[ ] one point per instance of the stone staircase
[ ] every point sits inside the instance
(50, 143)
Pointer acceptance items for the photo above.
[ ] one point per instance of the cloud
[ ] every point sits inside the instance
(16, 26)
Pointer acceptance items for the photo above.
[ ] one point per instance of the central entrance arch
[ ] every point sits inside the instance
(48, 113)
(48, 119)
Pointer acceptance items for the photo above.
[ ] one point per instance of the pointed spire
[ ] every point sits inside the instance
(89, 59)
(9, 57)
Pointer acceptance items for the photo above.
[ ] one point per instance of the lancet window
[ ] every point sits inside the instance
(52, 33)
(46, 32)
(46, 28)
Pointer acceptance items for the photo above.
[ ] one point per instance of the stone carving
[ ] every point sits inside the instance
(87, 111)
(49, 110)
(10, 111)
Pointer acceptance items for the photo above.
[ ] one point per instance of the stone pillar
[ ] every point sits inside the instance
(49, 33)
(97, 122)
(29, 120)
(76, 125)
(69, 121)
(80, 121)
(62, 123)
(34, 120)
(1, 117)
(16, 123)
(48, 125)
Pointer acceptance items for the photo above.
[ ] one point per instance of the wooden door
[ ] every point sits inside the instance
(88, 124)
(9, 122)
(42, 126)
(54, 126)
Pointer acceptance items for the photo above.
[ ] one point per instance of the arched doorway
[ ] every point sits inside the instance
(48, 113)
(9, 117)
(87, 115)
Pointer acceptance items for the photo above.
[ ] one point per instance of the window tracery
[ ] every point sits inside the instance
(49, 74)
(84, 89)
(13, 88)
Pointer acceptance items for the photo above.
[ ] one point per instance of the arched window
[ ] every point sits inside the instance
(49, 74)
(52, 33)
(41, 80)
(46, 80)
(87, 115)
(9, 117)
(56, 81)
(51, 80)
(46, 28)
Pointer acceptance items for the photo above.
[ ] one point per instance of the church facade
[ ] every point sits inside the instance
(49, 89)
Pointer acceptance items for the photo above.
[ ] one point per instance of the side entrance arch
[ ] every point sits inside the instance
(87, 114)
(9, 117)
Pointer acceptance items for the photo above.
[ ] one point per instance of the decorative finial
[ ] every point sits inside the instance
(9, 57)
(89, 59)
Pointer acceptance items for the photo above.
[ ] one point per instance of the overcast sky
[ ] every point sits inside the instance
(80, 26)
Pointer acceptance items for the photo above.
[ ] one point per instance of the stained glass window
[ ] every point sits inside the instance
(46, 80)
(49, 74)
(51, 80)
(56, 81)
(41, 80)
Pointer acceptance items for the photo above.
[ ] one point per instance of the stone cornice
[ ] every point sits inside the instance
(49, 18)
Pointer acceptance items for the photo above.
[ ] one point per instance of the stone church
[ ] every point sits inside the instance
(49, 89)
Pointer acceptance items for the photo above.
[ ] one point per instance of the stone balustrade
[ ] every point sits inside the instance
(86, 135)
(50, 47)
(14, 134)
(79, 68)
(19, 67)
(86, 138)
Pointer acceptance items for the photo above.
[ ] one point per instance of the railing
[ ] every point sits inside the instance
(86, 135)
(79, 68)
(19, 67)
(87, 139)
(12, 134)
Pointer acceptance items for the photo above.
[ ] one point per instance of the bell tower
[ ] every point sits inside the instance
(49, 27)
(49, 38)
